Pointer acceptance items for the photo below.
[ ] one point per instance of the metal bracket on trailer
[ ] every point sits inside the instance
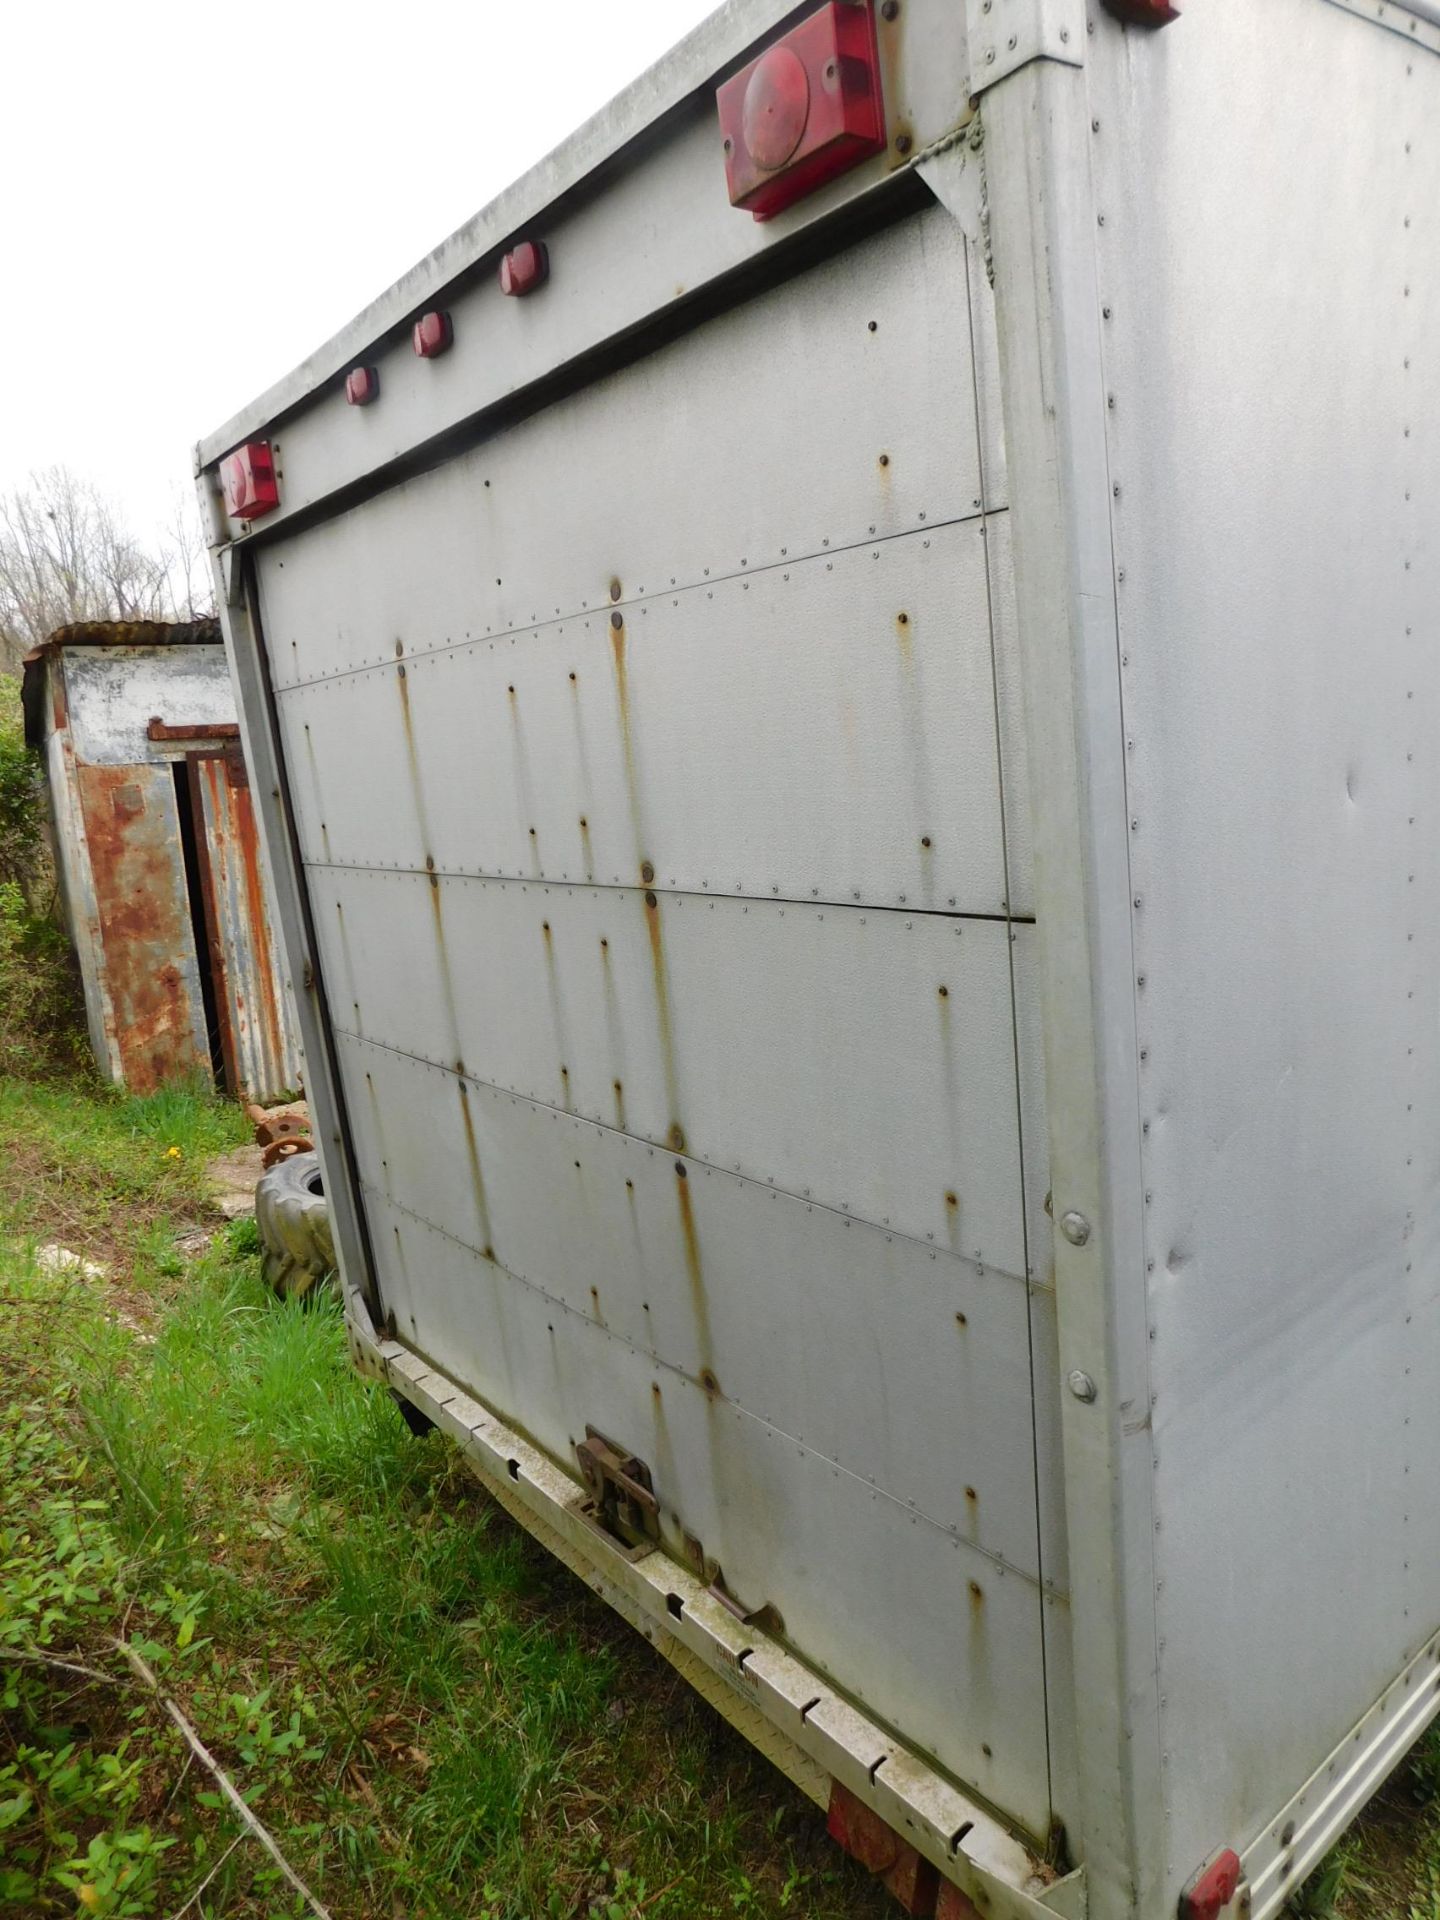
(1005, 35)
(1300, 1835)
(1418, 21)
(804, 1726)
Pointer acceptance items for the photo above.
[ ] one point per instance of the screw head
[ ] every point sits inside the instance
(1075, 1227)
(890, 10)
(1081, 1385)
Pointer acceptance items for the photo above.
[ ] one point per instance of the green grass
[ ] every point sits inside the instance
(104, 1172)
(431, 1716)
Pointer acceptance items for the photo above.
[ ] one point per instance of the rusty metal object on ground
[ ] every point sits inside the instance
(281, 1132)
(293, 1220)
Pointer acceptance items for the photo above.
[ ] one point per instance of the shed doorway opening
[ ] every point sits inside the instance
(206, 947)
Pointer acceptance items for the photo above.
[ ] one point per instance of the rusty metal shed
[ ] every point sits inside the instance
(161, 885)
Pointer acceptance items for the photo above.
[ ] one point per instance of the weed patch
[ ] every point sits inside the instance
(429, 1714)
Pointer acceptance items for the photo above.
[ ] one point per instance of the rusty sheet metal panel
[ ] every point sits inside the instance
(670, 911)
(80, 913)
(151, 1004)
(257, 1036)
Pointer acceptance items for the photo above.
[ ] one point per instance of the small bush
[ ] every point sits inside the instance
(42, 1029)
(41, 1022)
(23, 853)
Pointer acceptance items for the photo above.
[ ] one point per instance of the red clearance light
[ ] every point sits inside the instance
(1214, 1890)
(248, 478)
(362, 385)
(1143, 13)
(808, 109)
(432, 335)
(525, 268)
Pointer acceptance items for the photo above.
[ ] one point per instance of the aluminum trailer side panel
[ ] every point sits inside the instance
(1233, 316)
(1275, 459)
(697, 1012)
(679, 910)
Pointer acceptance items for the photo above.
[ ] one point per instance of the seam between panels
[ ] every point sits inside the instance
(1009, 905)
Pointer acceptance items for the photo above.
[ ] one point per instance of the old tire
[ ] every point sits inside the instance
(293, 1219)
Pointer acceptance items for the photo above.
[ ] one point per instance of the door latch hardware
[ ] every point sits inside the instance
(621, 1489)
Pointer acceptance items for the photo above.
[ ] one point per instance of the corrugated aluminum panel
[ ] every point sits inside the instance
(658, 862)
(262, 1057)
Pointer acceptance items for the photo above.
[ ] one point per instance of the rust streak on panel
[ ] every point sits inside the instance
(477, 1177)
(695, 1274)
(614, 1020)
(587, 785)
(199, 730)
(319, 797)
(557, 1010)
(662, 1010)
(378, 1117)
(265, 994)
(350, 982)
(408, 723)
(917, 753)
(447, 982)
(627, 732)
(954, 1105)
(524, 786)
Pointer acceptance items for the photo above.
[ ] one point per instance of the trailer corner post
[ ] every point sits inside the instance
(233, 598)
(1042, 222)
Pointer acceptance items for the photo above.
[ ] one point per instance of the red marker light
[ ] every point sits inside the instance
(1214, 1890)
(432, 335)
(775, 108)
(1143, 13)
(809, 108)
(248, 479)
(525, 268)
(362, 385)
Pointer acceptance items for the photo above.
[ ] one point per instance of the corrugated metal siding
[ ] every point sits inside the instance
(261, 1055)
(91, 696)
(151, 1004)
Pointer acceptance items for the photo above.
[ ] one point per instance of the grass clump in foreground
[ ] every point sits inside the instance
(429, 1714)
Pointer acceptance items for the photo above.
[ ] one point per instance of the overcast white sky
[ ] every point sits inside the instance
(195, 193)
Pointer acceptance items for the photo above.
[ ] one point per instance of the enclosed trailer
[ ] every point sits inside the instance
(854, 795)
(160, 885)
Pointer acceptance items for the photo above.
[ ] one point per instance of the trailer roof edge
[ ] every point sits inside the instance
(718, 40)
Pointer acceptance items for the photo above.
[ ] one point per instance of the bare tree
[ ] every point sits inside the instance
(66, 556)
(187, 558)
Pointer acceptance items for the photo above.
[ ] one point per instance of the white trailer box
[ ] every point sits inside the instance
(787, 743)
